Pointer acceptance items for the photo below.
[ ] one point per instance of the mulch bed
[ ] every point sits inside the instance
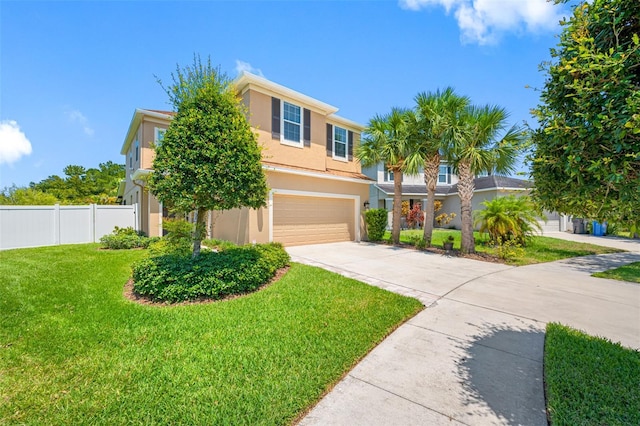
(128, 293)
(484, 257)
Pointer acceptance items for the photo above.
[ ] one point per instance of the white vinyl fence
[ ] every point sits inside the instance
(36, 226)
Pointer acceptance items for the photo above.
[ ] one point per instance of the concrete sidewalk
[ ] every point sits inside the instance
(474, 356)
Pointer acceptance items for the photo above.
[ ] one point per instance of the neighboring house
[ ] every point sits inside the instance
(414, 190)
(316, 186)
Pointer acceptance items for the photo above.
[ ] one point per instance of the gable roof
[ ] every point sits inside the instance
(138, 114)
(484, 183)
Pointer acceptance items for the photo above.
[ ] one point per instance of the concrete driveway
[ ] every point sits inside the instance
(474, 355)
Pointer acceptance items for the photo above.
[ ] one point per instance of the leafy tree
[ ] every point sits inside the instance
(479, 146)
(26, 197)
(388, 139)
(436, 112)
(209, 158)
(586, 159)
(84, 186)
(508, 218)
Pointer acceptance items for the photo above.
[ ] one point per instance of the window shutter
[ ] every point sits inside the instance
(350, 146)
(275, 118)
(307, 128)
(329, 140)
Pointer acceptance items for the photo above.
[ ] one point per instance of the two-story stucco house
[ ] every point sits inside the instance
(317, 189)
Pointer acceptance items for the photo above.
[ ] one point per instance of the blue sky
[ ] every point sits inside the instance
(72, 73)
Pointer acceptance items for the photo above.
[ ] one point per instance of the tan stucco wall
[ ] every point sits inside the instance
(147, 139)
(248, 225)
(314, 157)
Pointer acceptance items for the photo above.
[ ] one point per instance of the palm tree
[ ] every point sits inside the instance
(436, 112)
(478, 147)
(508, 218)
(388, 139)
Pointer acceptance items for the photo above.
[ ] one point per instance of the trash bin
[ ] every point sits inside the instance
(596, 229)
(578, 226)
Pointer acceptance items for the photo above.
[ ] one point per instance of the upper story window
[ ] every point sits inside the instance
(444, 174)
(340, 143)
(388, 176)
(131, 160)
(292, 121)
(158, 136)
(137, 149)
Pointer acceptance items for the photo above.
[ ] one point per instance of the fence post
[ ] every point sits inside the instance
(135, 217)
(92, 221)
(56, 224)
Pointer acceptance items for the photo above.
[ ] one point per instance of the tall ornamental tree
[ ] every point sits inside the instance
(480, 145)
(209, 158)
(586, 159)
(388, 140)
(436, 112)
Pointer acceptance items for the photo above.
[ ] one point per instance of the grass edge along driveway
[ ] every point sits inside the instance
(74, 351)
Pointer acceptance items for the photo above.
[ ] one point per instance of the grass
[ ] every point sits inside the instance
(538, 249)
(630, 272)
(589, 380)
(74, 351)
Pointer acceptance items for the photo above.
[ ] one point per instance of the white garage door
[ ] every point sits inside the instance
(552, 225)
(301, 220)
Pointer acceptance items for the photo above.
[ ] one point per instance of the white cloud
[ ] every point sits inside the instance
(13, 142)
(246, 66)
(76, 116)
(484, 21)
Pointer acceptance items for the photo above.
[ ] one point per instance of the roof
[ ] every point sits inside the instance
(497, 182)
(135, 122)
(481, 183)
(338, 174)
(246, 81)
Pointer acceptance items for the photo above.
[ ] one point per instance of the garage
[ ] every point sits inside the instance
(301, 220)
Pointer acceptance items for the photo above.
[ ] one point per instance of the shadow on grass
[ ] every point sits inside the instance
(501, 370)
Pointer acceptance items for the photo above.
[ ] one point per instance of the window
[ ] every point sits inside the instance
(482, 174)
(444, 174)
(292, 122)
(137, 150)
(339, 142)
(159, 136)
(388, 176)
(131, 161)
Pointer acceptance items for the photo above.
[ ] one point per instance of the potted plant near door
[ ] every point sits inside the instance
(448, 243)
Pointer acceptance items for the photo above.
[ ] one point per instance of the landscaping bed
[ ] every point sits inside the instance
(539, 249)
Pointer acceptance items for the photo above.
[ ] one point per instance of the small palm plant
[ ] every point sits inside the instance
(508, 218)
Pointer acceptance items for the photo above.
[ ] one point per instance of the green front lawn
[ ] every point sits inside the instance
(630, 272)
(589, 380)
(73, 350)
(538, 250)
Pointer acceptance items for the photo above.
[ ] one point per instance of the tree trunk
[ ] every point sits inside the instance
(431, 169)
(397, 205)
(465, 192)
(199, 231)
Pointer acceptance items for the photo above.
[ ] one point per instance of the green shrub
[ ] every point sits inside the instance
(125, 238)
(418, 242)
(376, 220)
(178, 239)
(177, 277)
(219, 245)
(510, 250)
(508, 218)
